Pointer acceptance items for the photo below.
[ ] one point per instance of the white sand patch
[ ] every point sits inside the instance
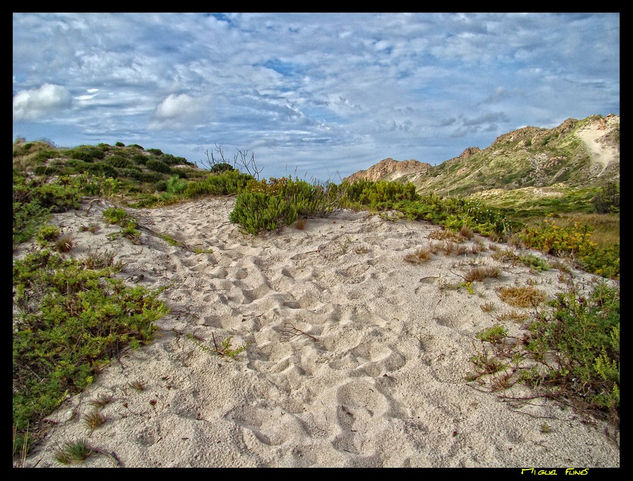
(601, 152)
(356, 357)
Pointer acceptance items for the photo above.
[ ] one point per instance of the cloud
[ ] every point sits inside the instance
(177, 111)
(342, 89)
(36, 103)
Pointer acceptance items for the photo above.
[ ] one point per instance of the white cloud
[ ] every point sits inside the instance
(36, 103)
(175, 106)
(177, 111)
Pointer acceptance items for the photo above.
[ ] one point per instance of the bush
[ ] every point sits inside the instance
(586, 333)
(118, 161)
(221, 167)
(158, 166)
(46, 234)
(229, 182)
(86, 153)
(267, 205)
(72, 321)
(256, 211)
(574, 241)
(608, 199)
(139, 159)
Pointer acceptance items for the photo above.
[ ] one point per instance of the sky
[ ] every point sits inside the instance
(312, 95)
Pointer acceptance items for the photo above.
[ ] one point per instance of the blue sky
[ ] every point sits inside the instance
(315, 95)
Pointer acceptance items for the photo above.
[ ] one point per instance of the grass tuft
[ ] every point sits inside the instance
(517, 296)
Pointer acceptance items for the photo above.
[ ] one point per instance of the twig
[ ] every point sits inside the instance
(295, 331)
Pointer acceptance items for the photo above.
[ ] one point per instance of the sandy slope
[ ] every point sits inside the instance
(375, 378)
(602, 153)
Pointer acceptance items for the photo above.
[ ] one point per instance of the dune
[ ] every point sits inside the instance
(354, 357)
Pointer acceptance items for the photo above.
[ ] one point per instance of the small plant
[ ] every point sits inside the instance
(536, 264)
(93, 228)
(468, 286)
(546, 428)
(481, 273)
(521, 296)
(223, 349)
(199, 250)
(487, 307)
(46, 234)
(420, 256)
(494, 334)
(114, 215)
(512, 316)
(71, 453)
(170, 240)
(94, 419)
(64, 243)
(300, 224)
(485, 364)
(101, 401)
(137, 385)
(447, 235)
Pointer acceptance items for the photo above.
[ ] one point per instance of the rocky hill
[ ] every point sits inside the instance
(577, 153)
(390, 169)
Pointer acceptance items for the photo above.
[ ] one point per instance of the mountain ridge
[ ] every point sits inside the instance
(576, 153)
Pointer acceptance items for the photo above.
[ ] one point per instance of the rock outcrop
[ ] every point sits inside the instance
(390, 169)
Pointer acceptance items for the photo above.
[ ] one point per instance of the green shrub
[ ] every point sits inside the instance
(607, 199)
(46, 234)
(267, 205)
(118, 161)
(139, 159)
(87, 153)
(44, 155)
(158, 166)
(115, 215)
(72, 321)
(256, 211)
(585, 331)
(574, 241)
(175, 186)
(494, 334)
(221, 167)
(229, 182)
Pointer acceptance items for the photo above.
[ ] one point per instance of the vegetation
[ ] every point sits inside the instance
(72, 320)
(571, 354)
(73, 316)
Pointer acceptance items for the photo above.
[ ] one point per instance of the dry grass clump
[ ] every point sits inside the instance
(487, 307)
(64, 243)
(521, 296)
(446, 235)
(421, 256)
(455, 248)
(512, 316)
(300, 224)
(94, 419)
(480, 273)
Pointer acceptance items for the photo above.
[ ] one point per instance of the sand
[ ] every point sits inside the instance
(356, 357)
(602, 153)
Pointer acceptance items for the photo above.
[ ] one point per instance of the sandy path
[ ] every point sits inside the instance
(372, 375)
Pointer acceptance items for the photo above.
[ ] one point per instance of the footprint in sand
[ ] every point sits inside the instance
(360, 406)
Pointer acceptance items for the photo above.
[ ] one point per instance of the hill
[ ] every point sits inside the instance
(578, 153)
